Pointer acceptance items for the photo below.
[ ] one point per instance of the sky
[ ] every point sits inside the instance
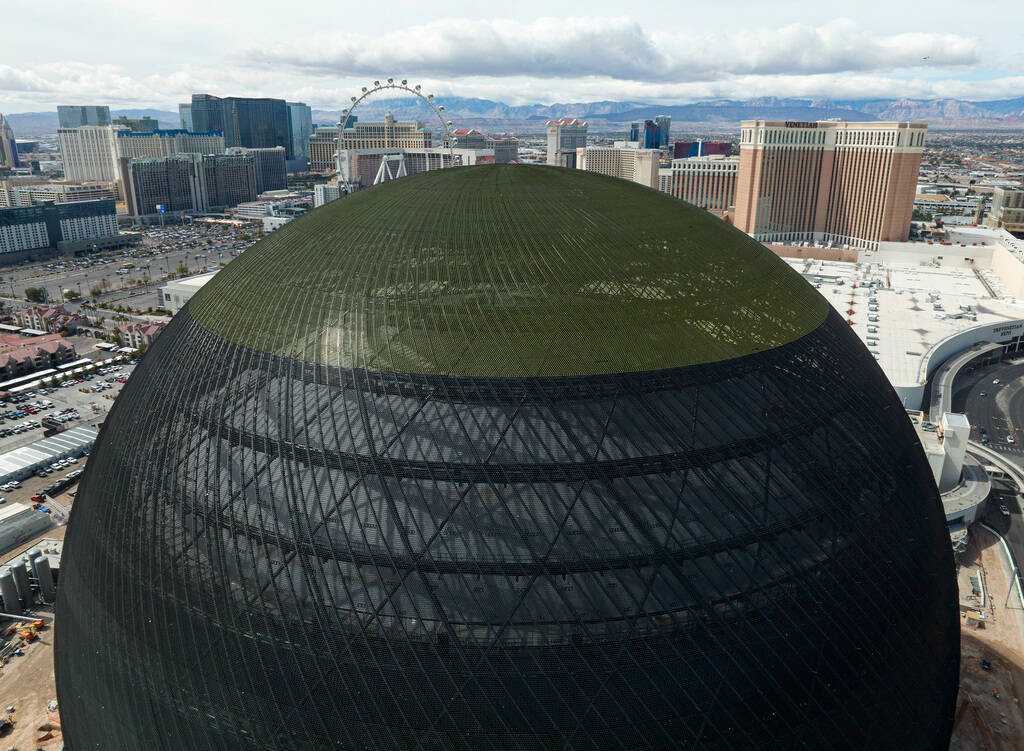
(156, 53)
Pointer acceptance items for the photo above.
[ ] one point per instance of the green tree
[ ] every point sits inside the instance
(35, 294)
(96, 291)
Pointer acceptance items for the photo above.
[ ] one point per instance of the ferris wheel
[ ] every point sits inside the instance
(403, 85)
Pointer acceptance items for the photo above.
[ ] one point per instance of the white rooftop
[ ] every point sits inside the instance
(12, 509)
(899, 319)
(193, 281)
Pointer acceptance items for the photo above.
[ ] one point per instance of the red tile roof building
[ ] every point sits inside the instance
(22, 355)
(138, 334)
(50, 318)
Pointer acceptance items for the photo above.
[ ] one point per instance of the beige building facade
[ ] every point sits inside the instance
(387, 134)
(831, 182)
(26, 193)
(705, 181)
(89, 152)
(1007, 210)
(323, 146)
(161, 143)
(636, 165)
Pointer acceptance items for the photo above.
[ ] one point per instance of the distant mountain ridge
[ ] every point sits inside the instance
(30, 124)
(719, 112)
(612, 115)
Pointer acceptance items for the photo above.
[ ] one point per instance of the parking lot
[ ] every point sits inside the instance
(181, 250)
(90, 398)
(78, 402)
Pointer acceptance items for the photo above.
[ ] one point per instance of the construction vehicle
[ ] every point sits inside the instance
(29, 631)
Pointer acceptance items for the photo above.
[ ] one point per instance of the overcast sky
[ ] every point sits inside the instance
(155, 53)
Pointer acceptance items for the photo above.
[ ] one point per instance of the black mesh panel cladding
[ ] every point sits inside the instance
(272, 554)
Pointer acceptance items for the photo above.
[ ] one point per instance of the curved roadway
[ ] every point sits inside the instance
(1001, 413)
(942, 380)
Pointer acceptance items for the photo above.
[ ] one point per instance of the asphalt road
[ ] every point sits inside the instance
(1001, 411)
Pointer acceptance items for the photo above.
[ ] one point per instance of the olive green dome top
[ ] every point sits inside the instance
(508, 271)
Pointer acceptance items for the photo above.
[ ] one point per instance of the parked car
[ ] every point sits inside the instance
(38, 497)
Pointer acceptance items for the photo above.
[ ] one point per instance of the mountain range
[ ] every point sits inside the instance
(721, 114)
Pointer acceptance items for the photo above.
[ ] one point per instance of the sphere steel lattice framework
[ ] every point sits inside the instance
(548, 460)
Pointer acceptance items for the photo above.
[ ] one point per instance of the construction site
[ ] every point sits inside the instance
(29, 715)
(989, 713)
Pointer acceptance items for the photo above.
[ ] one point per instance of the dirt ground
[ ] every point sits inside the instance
(27, 684)
(989, 712)
(984, 721)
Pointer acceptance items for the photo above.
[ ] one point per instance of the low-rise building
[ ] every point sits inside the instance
(281, 217)
(505, 149)
(138, 334)
(176, 294)
(254, 211)
(325, 193)
(22, 355)
(50, 318)
(26, 192)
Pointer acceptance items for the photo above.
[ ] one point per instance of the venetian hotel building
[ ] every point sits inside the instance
(831, 182)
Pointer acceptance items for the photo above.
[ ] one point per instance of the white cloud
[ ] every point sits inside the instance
(613, 48)
(547, 60)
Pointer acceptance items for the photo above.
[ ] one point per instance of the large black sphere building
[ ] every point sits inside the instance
(507, 458)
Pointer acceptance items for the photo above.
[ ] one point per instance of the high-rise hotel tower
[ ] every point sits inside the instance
(829, 181)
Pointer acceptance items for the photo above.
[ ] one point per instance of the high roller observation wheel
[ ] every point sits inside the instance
(403, 85)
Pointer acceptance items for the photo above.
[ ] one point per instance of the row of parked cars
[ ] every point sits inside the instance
(55, 488)
(57, 466)
(20, 428)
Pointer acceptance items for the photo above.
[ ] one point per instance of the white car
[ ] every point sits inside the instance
(995, 380)
(1010, 439)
